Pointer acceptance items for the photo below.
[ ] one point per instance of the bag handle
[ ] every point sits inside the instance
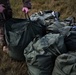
(27, 17)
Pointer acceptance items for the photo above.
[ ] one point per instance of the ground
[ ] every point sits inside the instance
(8, 66)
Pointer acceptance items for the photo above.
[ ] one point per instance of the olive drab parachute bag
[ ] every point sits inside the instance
(70, 20)
(70, 39)
(19, 33)
(46, 17)
(57, 27)
(65, 64)
(54, 27)
(41, 53)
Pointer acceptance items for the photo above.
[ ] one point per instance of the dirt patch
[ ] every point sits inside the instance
(8, 66)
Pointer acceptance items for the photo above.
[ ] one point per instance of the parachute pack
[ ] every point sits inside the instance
(44, 42)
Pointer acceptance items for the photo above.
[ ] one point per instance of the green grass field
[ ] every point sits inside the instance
(65, 7)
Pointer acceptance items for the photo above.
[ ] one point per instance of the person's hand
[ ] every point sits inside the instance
(25, 10)
(1, 8)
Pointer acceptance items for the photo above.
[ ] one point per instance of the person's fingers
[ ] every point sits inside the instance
(5, 49)
(25, 9)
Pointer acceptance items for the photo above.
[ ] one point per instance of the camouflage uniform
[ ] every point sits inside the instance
(8, 11)
(27, 3)
(7, 14)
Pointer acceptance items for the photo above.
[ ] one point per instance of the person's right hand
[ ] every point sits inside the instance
(25, 10)
(1, 8)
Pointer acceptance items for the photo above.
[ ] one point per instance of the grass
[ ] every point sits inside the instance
(66, 8)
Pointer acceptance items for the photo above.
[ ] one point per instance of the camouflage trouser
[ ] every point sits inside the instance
(2, 42)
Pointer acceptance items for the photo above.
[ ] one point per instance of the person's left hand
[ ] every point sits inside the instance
(1, 8)
(25, 10)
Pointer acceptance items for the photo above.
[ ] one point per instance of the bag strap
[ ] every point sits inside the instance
(27, 17)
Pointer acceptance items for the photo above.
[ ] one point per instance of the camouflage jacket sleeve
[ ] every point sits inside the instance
(8, 11)
(27, 3)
